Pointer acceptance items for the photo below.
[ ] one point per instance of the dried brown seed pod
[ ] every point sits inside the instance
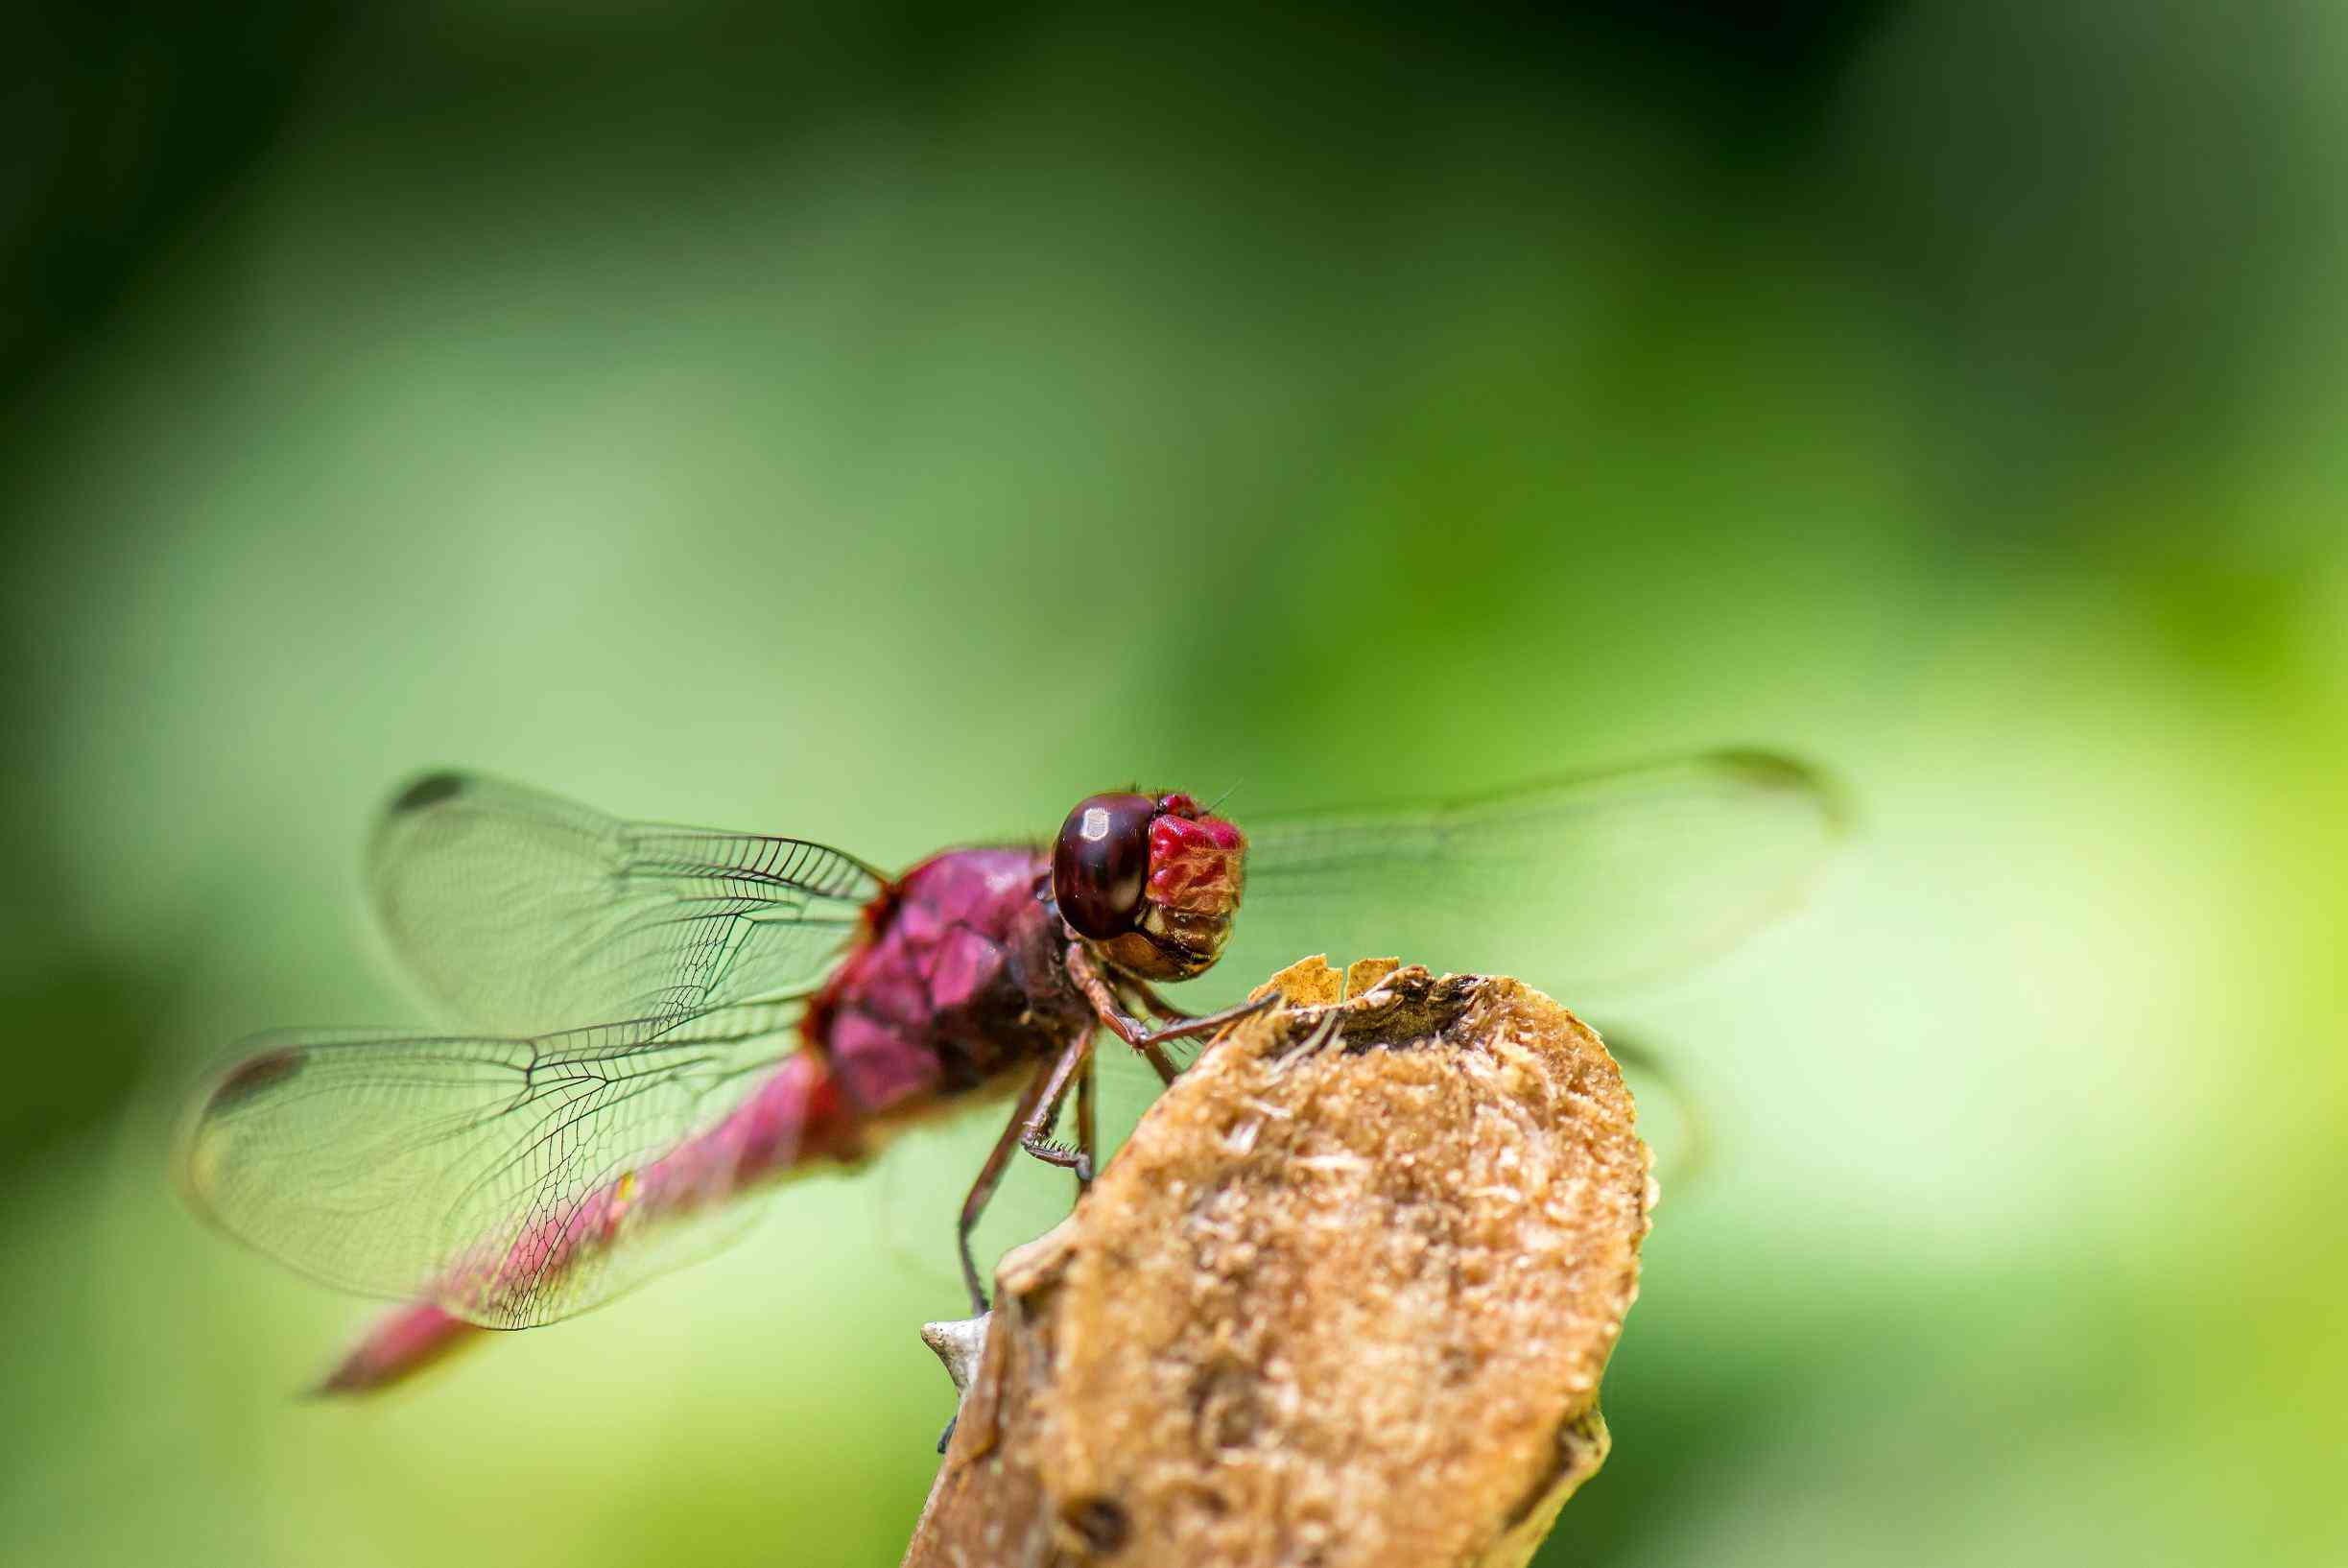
(1342, 1300)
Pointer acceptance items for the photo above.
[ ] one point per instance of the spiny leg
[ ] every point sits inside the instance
(1149, 1042)
(990, 1176)
(1073, 1065)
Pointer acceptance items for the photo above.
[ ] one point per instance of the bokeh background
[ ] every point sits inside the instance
(889, 422)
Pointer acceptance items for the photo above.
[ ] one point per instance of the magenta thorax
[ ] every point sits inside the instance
(962, 975)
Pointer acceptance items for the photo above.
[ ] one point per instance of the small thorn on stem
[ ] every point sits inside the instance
(957, 1342)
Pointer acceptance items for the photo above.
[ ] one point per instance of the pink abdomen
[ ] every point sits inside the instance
(796, 1119)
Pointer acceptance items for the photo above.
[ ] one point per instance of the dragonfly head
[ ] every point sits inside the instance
(1152, 880)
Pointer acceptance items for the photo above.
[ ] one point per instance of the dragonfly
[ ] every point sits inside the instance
(648, 1027)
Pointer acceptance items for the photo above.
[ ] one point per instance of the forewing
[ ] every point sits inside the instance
(509, 1181)
(519, 913)
(1581, 884)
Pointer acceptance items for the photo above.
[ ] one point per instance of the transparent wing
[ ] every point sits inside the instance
(911, 1199)
(509, 1181)
(520, 913)
(1575, 885)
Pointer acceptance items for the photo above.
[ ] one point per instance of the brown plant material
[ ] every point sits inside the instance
(1342, 1301)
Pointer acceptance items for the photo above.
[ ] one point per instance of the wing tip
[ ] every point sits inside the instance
(200, 1135)
(200, 1145)
(426, 789)
(1778, 771)
(252, 1075)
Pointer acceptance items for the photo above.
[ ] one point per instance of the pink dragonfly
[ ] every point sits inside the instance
(653, 1024)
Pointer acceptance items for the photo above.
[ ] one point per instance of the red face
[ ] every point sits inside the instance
(1152, 879)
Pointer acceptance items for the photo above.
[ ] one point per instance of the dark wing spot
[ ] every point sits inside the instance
(427, 791)
(1770, 770)
(251, 1078)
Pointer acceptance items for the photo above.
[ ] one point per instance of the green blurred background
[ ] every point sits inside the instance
(887, 422)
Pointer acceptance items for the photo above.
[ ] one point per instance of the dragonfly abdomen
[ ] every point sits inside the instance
(796, 1121)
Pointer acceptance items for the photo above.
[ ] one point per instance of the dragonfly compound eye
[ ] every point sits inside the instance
(1101, 862)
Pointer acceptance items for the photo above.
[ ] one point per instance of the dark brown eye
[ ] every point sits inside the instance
(1101, 862)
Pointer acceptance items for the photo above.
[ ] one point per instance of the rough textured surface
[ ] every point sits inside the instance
(1342, 1302)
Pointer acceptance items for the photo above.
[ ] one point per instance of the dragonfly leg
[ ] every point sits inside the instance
(1073, 1065)
(1151, 999)
(990, 1176)
(1085, 1142)
(1149, 1042)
